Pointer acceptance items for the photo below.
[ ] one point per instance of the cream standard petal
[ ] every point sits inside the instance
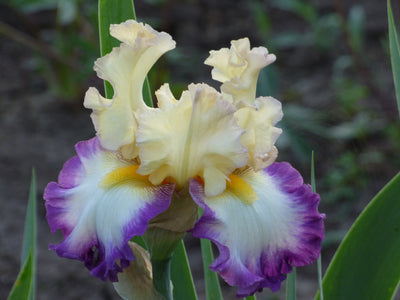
(197, 136)
(261, 134)
(125, 68)
(238, 68)
(165, 96)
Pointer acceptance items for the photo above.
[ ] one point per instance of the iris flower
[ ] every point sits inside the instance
(154, 167)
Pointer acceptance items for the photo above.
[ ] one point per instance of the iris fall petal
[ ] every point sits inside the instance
(100, 203)
(263, 224)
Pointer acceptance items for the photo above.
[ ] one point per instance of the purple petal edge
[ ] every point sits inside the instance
(103, 261)
(272, 270)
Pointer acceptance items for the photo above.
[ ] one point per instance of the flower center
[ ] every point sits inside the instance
(122, 175)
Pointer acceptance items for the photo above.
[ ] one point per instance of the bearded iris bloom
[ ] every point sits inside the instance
(154, 166)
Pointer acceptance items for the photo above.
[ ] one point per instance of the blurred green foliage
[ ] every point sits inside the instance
(347, 177)
(67, 47)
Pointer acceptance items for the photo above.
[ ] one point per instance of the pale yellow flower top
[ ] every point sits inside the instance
(205, 134)
(125, 68)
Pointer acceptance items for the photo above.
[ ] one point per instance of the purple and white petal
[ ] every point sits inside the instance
(263, 224)
(99, 204)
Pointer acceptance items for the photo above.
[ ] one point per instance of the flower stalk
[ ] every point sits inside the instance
(163, 236)
(162, 276)
(161, 244)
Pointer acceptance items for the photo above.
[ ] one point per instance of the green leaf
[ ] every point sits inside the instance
(140, 241)
(115, 12)
(29, 240)
(367, 263)
(181, 275)
(23, 286)
(112, 12)
(213, 289)
(394, 53)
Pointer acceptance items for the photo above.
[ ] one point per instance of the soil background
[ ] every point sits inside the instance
(38, 129)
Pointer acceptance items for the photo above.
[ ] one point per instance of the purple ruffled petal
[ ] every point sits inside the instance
(98, 220)
(260, 240)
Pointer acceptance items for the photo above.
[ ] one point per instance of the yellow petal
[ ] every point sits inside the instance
(197, 136)
(261, 134)
(238, 68)
(125, 68)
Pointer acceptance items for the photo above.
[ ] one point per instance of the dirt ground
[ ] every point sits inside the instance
(38, 130)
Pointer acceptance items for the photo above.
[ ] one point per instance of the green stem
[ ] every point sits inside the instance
(213, 289)
(319, 267)
(162, 277)
(291, 285)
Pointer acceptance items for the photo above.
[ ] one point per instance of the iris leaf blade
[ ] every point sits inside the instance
(23, 286)
(29, 240)
(30, 232)
(181, 275)
(213, 289)
(355, 272)
(394, 52)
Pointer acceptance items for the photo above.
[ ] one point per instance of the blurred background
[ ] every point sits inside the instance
(332, 75)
